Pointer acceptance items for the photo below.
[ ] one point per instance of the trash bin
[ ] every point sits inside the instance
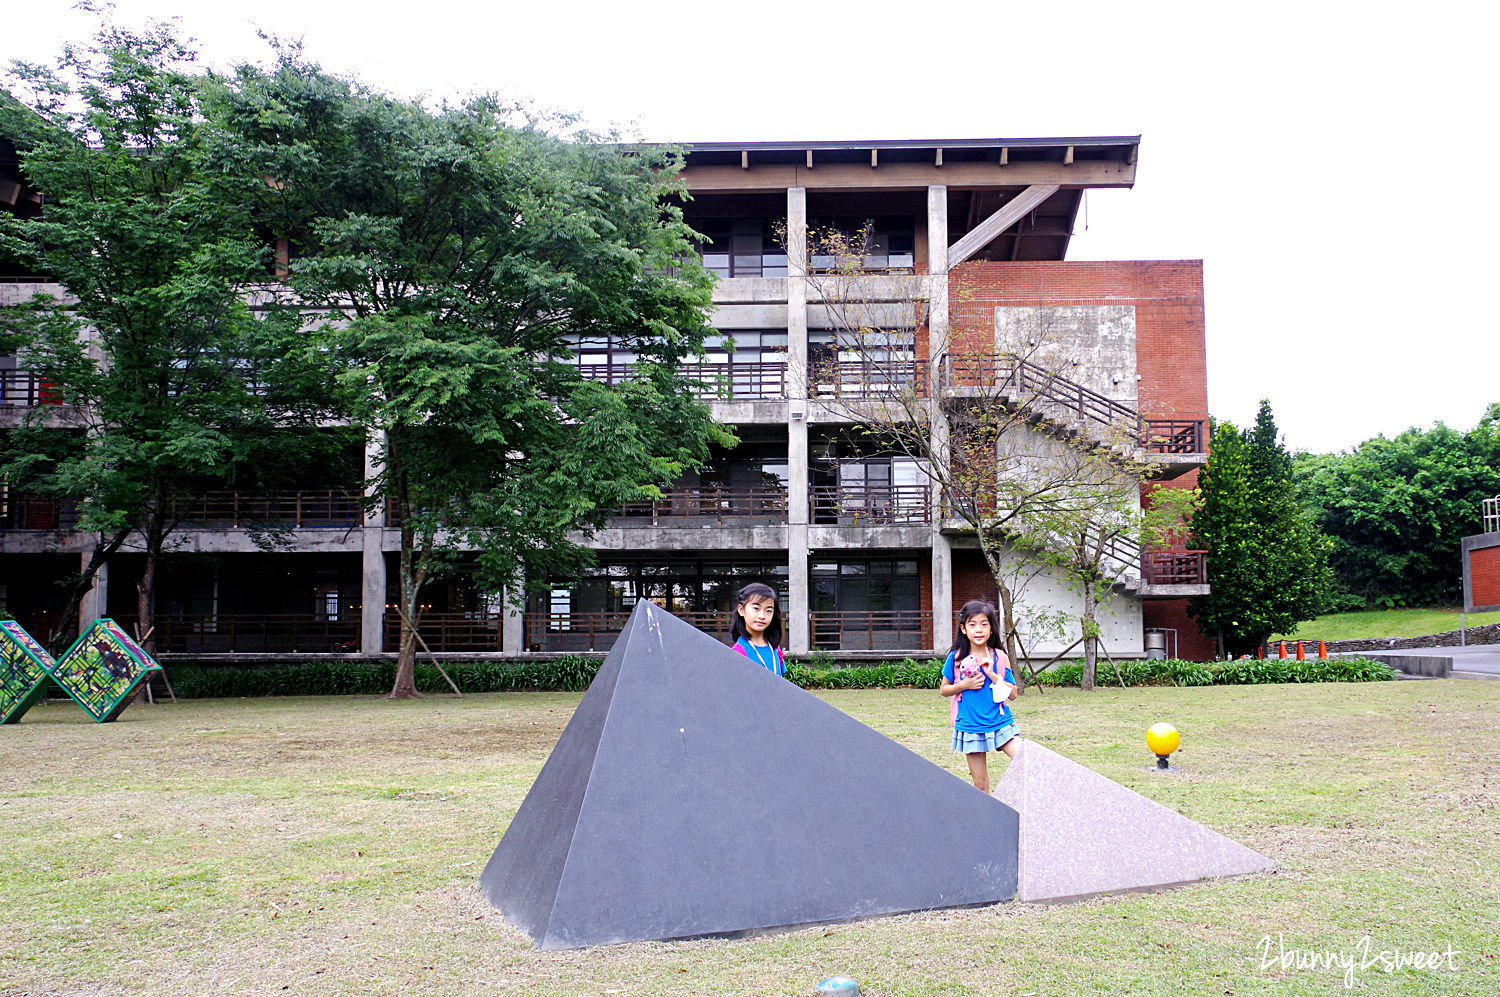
(1156, 645)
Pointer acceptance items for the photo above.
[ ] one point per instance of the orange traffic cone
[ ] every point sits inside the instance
(1281, 650)
(1301, 655)
(1323, 650)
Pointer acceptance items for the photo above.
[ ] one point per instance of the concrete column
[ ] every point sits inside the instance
(95, 602)
(937, 346)
(942, 591)
(513, 624)
(373, 580)
(799, 593)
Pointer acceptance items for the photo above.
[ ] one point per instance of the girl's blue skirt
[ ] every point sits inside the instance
(968, 741)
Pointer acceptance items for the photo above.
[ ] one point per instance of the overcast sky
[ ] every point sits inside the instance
(1320, 158)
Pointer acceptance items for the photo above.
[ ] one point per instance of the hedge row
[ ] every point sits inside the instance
(1241, 672)
(571, 674)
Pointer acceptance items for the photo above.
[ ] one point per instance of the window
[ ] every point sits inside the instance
(742, 247)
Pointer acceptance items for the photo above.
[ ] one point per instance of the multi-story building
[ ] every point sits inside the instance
(964, 239)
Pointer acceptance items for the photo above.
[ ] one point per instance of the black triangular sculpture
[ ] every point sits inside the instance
(695, 793)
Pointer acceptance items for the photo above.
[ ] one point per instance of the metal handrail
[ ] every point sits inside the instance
(712, 380)
(1491, 510)
(1032, 382)
(890, 630)
(242, 633)
(597, 631)
(866, 378)
(23, 389)
(315, 509)
(864, 505)
(716, 502)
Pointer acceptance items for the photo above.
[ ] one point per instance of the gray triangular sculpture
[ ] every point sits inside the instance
(695, 793)
(1083, 834)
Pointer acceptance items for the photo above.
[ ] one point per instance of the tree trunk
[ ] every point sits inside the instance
(102, 552)
(405, 686)
(145, 601)
(1090, 638)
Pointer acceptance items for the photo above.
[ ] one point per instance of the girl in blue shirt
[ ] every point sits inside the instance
(977, 674)
(756, 627)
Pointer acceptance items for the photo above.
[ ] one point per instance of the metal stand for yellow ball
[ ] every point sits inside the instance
(1162, 739)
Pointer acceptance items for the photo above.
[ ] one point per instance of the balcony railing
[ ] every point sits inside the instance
(1491, 508)
(720, 381)
(707, 503)
(1172, 436)
(870, 505)
(597, 631)
(246, 633)
(895, 630)
(296, 510)
(38, 512)
(449, 631)
(867, 379)
(23, 389)
(1174, 567)
(301, 510)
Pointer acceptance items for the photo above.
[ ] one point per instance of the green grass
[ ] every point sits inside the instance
(1376, 623)
(324, 846)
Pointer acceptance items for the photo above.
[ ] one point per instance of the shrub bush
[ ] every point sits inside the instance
(1242, 672)
(573, 673)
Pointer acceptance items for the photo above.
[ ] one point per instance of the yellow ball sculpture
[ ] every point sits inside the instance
(1162, 739)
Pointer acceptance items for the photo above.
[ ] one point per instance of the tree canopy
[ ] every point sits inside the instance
(1267, 564)
(446, 262)
(162, 365)
(1397, 509)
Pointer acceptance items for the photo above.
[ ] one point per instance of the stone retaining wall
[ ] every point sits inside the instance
(1488, 634)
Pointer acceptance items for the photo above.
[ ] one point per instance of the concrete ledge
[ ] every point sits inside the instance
(1436, 666)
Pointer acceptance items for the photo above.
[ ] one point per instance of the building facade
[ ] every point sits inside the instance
(963, 244)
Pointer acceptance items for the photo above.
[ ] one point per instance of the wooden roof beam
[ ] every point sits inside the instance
(986, 231)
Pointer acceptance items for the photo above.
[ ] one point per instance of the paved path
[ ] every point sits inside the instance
(1477, 661)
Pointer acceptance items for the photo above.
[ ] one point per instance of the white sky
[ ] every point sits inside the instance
(1320, 158)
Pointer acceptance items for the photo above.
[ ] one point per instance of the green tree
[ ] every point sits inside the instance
(1267, 564)
(1398, 509)
(449, 258)
(163, 369)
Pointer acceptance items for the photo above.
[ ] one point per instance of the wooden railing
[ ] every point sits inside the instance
(706, 502)
(897, 630)
(597, 631)
(1170, 436)
(866, 379)
(1174, 567)
(326, 509)
(723, 381)
(449, 631)
(870, 505)
(246, 633)
(23, 389)
(1028, 384)
(38, 512)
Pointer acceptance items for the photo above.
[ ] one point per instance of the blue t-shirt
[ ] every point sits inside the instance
(766, 656)
(978, 712)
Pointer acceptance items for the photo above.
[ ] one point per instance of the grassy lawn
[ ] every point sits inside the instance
(1376, 623)
(331, 846)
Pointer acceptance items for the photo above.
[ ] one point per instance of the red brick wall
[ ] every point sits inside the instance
(1484, 576)
(1172, 614)
(1170, 358)
(972, 580)
(1169, 323)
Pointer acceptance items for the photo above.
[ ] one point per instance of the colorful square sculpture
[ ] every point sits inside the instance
(24, 671)
(102, 670)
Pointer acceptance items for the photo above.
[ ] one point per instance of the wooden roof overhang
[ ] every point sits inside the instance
(1012, 199)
